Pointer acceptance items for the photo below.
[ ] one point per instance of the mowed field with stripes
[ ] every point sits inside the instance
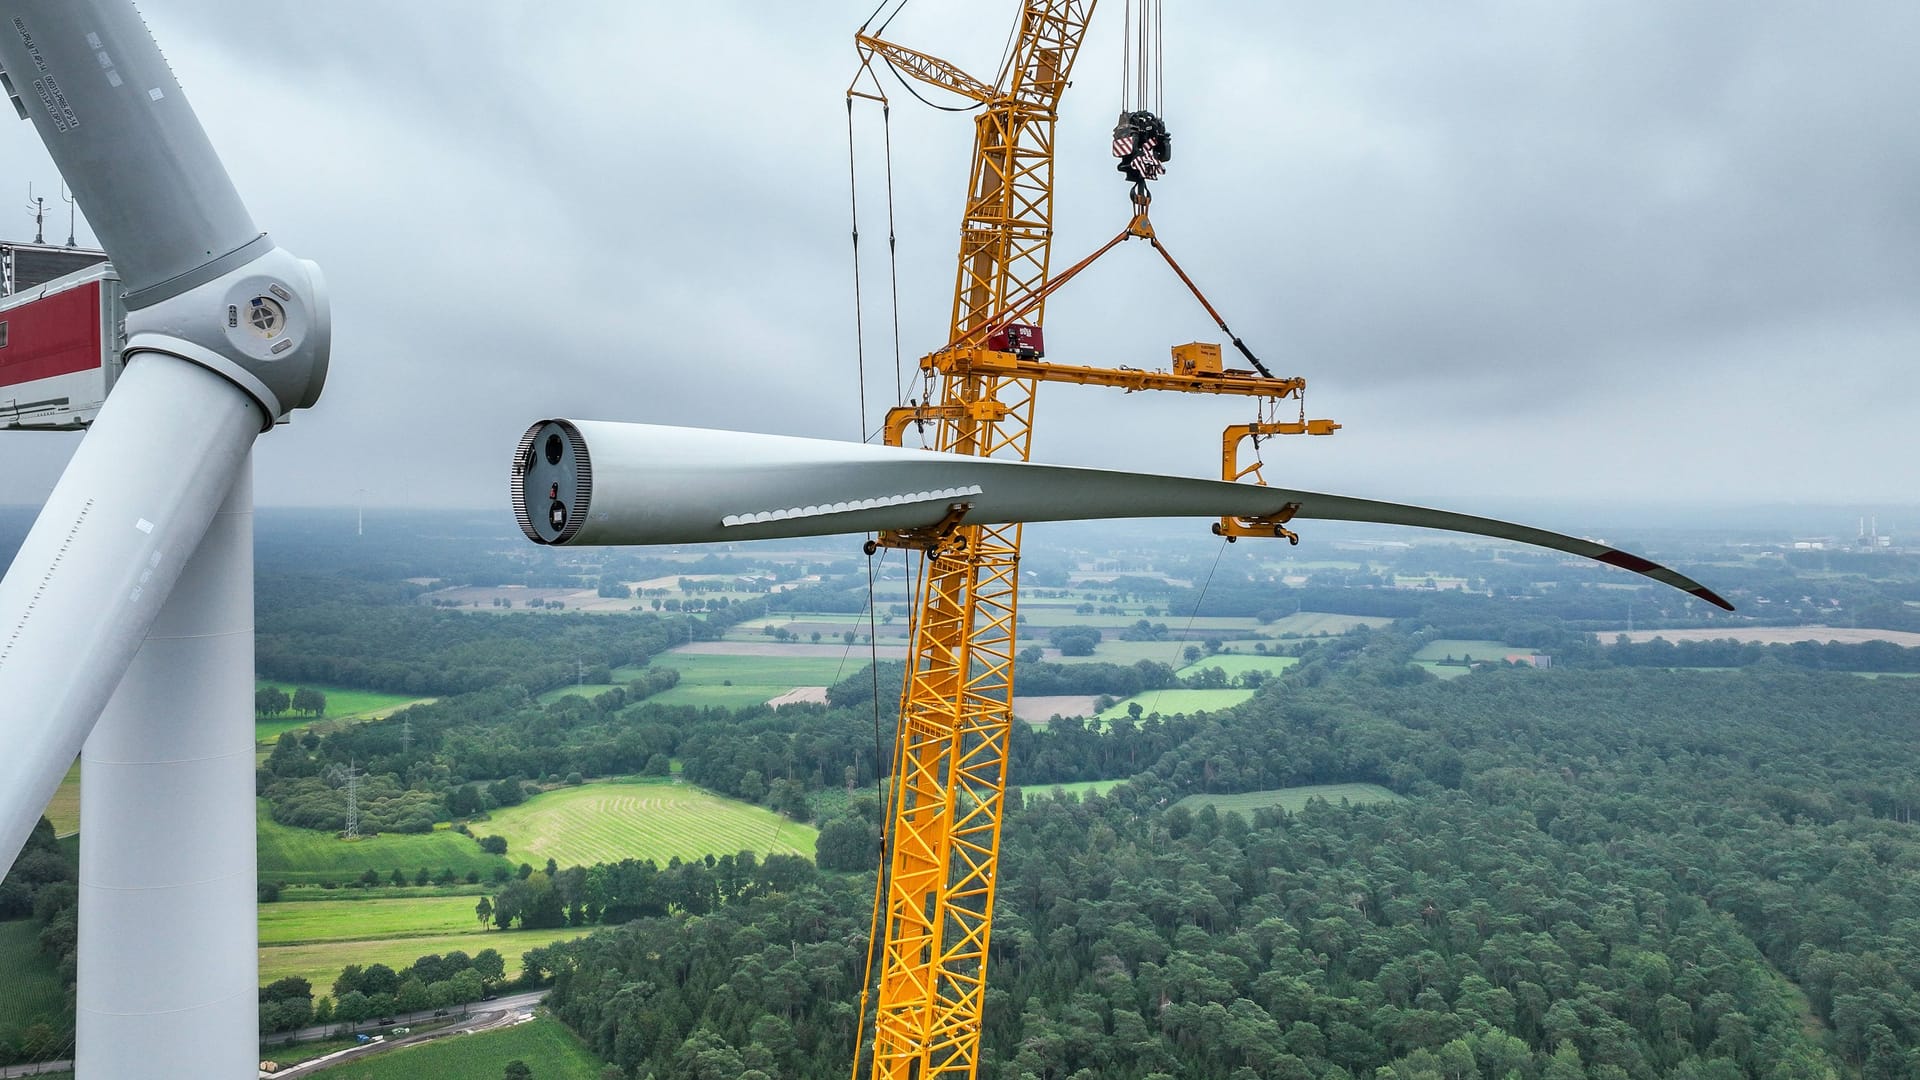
(641, 819)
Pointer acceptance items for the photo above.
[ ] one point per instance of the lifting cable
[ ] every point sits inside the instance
(859, 321)
(893, 259)
(1194, 615)
(1142, 58)
(893, 266)
(915, 579)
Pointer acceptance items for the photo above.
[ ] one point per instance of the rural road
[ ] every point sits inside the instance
(499, 1013)
(321, 1031)
(37, 1068)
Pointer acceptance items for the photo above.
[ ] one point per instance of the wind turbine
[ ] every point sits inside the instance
(126, 619)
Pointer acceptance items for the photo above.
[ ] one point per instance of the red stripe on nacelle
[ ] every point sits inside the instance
(54, 335)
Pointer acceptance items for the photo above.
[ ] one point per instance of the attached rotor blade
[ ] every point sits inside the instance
(596, 482)
(102, 557)
(118, 125)
(201, 379)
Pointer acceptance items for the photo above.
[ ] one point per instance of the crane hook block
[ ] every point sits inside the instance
(1141, 142)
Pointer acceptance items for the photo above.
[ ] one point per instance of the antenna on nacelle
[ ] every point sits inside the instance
(66, 196)
(38, 206)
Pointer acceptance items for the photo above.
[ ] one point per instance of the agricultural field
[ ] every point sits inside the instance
(1433, 652)
(1460, 650)
(830, 648)
(548, 1048)
(311, 921)
(320, 962)
(754, 674)
(34, 994)
(1048, 616)
(771, 668)
(1320, 623)
(1079, 791)
(64, 808)
(1172, 702)
(1111, 650)
(1239, 664)
(342, 704)
(1292, 799)
(585, 690)
(307, 856)
(1042, 708)
(642, 819)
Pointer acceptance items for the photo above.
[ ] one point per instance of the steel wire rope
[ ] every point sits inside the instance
(859, 319)
(877, 8)
(1159, 59)
(1195, 613)
(893, 266)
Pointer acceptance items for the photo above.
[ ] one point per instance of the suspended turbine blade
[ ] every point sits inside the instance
(139, 493)
(597, 482)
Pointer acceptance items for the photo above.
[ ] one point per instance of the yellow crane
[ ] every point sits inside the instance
(934, 902)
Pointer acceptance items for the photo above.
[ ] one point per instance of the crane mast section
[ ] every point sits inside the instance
(1006, 232)
(956, 715)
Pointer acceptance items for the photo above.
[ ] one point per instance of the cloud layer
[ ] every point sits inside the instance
(1634, 251)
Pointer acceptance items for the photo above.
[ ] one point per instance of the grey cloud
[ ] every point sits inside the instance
(1581, 248)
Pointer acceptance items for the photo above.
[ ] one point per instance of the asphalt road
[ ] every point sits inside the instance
(322, 1031)
(483, 1016)
(488, 1016)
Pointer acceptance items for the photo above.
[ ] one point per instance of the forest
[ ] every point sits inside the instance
(1614, 872)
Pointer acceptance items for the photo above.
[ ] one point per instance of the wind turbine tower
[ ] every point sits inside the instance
(126, 619)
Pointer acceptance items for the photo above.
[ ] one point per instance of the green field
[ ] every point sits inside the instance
(585, 690)
(737, 696)
(320, 962)
(33, 994)
(1239, 664)
(1292, 798)
(1171, 702)
(548, 1048)
(342, 704)
(730, 681)
(702, 669)
(1433, 652)
(628, 819)
(1114, 651)
(306, 856)
(1315, 623)
(1079, 790)
(1042, 615)
(64, 808)
(705, 679)
(1460, 650)
(364, 920)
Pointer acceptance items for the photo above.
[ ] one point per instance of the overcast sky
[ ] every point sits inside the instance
(1639, 252)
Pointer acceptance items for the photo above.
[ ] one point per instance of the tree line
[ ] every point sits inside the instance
(1607, 873)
